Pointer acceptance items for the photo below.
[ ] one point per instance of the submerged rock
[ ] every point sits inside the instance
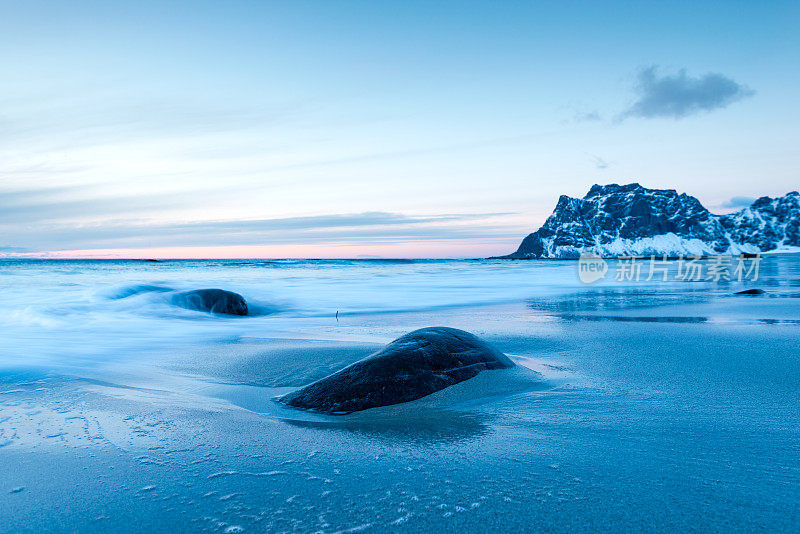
(412, 366)
(750, 292)
(212, 301)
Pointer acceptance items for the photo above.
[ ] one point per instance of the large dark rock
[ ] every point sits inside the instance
(412, 366)
(212, 301)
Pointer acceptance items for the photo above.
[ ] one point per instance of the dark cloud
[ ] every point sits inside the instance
(738, 202)
(681, 95)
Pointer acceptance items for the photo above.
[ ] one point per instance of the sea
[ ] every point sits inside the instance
(643, 399)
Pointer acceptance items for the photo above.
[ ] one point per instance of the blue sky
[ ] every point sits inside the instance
(341, 129)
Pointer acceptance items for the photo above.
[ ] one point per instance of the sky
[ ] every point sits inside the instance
(376, 129)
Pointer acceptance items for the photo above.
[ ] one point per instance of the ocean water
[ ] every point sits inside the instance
(634, 406)
(72, 312)
(64, 312)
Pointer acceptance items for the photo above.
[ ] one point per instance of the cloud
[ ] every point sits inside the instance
(317, 222)
(738, 202)
(367, 227)
(38, 170)
(33, 206)
(83, 217)
(70, 122)
(79, 204)
(680, 95)
(587, 116)
(599, 162)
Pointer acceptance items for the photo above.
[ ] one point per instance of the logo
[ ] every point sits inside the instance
(591, 268)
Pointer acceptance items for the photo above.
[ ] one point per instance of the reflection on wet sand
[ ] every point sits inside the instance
(425, 426)
(639, 319)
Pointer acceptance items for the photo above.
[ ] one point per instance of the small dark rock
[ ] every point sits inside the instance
(212, 301)
(750, 292)
(412, 366)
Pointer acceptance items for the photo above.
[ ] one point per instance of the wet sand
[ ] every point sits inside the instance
(660, 411)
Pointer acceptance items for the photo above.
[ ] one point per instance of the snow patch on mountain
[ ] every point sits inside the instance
(631, 220)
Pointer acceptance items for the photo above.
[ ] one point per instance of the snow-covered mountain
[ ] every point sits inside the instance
(631, 220)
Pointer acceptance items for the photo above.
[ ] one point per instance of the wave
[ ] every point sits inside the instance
(159, 295)
(137, 289)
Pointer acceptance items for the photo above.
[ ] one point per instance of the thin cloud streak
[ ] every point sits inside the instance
(363, 228)
(34, 206)
(599, 162)
(85, 123)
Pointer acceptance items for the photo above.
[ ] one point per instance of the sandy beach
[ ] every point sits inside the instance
(648, 407)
